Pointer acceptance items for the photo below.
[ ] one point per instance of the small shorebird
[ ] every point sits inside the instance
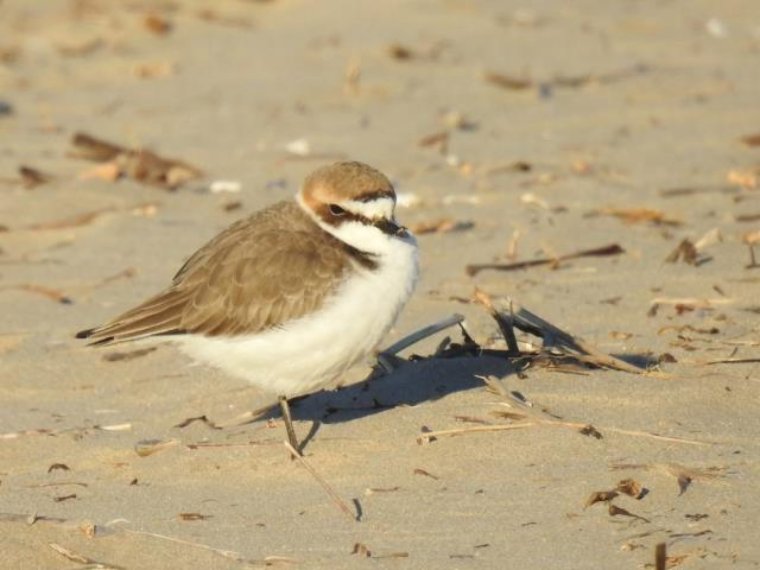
(292, 296)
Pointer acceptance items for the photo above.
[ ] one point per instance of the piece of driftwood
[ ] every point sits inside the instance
(553, 337)
(508, 315)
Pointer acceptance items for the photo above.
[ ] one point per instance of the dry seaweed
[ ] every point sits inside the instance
(141, 165)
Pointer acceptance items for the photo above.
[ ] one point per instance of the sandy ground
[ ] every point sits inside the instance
(550, 116)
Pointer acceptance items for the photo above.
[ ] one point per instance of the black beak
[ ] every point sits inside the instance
(390, 227)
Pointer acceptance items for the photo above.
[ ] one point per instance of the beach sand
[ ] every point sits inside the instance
(529, 130)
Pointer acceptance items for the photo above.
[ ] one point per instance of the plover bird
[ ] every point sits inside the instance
(292, 296)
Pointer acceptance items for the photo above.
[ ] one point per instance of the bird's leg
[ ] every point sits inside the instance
(285, 409)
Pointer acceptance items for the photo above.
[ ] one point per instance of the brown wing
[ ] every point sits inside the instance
(261, 284)
(241, 282)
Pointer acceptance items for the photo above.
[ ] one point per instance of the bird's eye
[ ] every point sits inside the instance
(336, 210)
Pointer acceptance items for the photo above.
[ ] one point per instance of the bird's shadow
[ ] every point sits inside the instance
(412, 383)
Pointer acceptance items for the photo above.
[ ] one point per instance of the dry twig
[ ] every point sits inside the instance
(605, 251)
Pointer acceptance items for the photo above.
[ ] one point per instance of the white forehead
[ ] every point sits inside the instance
(380, 207)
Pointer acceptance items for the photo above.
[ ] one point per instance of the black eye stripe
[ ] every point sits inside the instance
(327, 214)
(336, 220)
(353, 217)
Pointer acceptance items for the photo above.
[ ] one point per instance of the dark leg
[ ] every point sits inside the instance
(292, 439)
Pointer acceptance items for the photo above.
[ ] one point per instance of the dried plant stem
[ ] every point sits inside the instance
(34, 518)
(79, 559)
(731, 361)
(340, 503)
(504, 321)
(570, 425)
(232, 555)
(668, 438)
(695, 302)
(425, 437)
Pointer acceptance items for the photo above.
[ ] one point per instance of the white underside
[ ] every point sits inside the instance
(313, 351)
